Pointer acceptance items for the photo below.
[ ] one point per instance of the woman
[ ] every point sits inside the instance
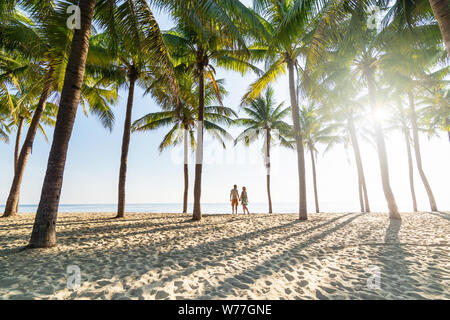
(244, 200)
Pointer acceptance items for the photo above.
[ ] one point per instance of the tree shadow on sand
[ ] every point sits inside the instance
(105, 232)
(440, 214)
(248, 277)
(398, 280)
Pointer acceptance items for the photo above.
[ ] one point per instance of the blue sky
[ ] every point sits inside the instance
(92, 168)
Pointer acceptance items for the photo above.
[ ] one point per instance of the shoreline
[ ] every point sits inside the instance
(261, 256)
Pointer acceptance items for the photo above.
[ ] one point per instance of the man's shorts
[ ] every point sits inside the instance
(234, 202)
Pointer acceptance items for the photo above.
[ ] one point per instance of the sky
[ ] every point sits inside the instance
(92, 168)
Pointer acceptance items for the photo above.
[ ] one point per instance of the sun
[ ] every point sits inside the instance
(380, 115)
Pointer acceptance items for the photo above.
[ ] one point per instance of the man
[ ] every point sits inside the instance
(234, 198)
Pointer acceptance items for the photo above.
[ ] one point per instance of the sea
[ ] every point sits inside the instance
(207, 208)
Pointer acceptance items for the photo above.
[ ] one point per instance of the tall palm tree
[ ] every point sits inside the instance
(362, 45)
(317, 129)
(44, 228)
(410, 59)
(358, 48)
(335, 87)
(295, 31)
(182, 127)
(265, 117)
(417, 152)
(400, 121)
(44, 232)
(196, 42)
(367, 64)
(26, 39)
(25, 103)
(362, 188)
(45, 49)
(136, 50)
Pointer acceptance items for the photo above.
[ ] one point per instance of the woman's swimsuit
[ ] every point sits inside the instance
(244, 199)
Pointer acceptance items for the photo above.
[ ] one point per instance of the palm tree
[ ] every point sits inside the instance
(110, 15)
(367, 64)
(362, 188)
(182, 127)
(25, 104)
(136, 51)
(196, 42)
(42, 42)
(44, 233)
(317, 129)
(358, 49)
(400, 121)
(295, 30)
(362, 45)
(416, 144)
(411, 55)
(265, 117)
(21, 36)
(335, 87)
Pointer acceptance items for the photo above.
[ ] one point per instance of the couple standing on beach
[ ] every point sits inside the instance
(235, 198)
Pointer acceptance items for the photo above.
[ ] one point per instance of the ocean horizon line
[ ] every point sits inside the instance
(207, 207)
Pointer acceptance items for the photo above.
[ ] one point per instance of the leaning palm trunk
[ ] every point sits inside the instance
(418, 155)
(360, 192)
(125, 147)
(382, 154)
(359, 165)
(13, 198)
(186, 170)
(17, 144)
(410, 166)
(441, 10)
(17, 151)
(269, 197)
(44, 229)
(313, 164)
(197, 214)
(303, 214)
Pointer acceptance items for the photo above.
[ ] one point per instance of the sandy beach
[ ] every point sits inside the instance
(168, 256)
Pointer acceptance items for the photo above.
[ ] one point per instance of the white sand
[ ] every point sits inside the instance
(167, 256)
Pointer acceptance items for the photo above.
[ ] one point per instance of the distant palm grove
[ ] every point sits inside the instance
(340, 65)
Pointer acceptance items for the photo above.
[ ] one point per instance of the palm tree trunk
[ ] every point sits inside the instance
(186, 170)
(269, 197)
(125, 147)
(441, 10)
(447, 122)
(417, 153)
(44, 229)
(410, 166)
(360, 192)
(382, 154)
(14, 193)
(313, 164)
(197, 214)
(17, 144)
(359, 165)
(17, 151)
(303, 213)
